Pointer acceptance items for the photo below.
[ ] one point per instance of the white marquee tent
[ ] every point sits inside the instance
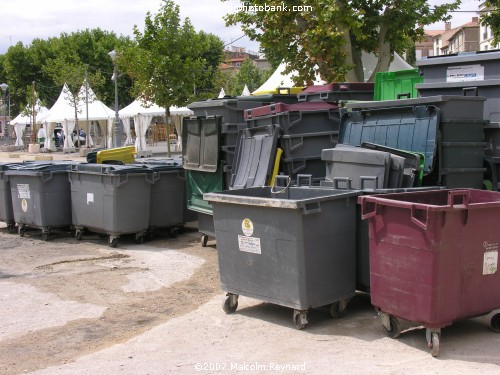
(279, 79)
(22, 120)
(143, 114)
(97, 111)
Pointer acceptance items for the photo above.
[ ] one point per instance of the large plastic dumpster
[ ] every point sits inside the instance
(111, 199)
(41, 196)
(396, 85)
(6, 211)
(167, 209)
(292, 246)
(434, 258)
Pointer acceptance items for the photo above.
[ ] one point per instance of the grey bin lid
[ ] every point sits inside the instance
(428, 100)
(110, 169)
(254, 156)
(200, 143)
(410, 128)
(462, 57)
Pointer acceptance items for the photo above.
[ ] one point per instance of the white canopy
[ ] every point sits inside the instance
(143, 113)
(246, 91)
(63, 112)
(22, 120)
(279, 79)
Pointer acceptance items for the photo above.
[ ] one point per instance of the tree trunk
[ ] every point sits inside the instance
(384, 53)
(167, 116)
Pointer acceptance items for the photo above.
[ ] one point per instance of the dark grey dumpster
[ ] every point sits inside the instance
(41, 196)
(292, 246)
(111, 199)
(6, 211)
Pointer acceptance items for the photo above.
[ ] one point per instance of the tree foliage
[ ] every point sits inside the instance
(233, 83)
(492, 18)
(328, 37)
(169, 60)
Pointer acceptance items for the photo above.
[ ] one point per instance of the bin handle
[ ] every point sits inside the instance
(286, 179)
(368, 178)
(306, 177)
(347, 181)
(46, 176)
(463, 194)
(152, 177)
(406, 95)
(368, 209)
(417, 221)
(466, 89)
(311, 208)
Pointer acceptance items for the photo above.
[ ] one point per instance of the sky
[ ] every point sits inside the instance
(25, 20)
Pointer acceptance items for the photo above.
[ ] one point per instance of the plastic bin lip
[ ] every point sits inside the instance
(414, 101)
(459, 58)
(388, 200)
(444, 85)
(323, 195)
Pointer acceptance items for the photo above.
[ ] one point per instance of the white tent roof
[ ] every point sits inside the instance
(40, 113)
(279, 79)
(137, 107)
(97, 109)
(62, 108)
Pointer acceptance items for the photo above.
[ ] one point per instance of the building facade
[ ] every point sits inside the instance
(485, 32)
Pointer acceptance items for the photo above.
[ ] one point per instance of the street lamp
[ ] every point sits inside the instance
(4, 87)
(117, 134)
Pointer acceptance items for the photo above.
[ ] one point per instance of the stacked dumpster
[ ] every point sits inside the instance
(469, 74)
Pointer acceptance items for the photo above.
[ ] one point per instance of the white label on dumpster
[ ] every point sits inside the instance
(465, 73)
(249, 244)
(23, 191)
(247, 227)
(90, 198)
(490, 260)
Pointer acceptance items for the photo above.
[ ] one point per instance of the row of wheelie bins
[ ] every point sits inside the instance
(111, 200)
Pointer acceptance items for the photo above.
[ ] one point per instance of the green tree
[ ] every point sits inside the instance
(169, 59)
(328, 37)
(492, 18)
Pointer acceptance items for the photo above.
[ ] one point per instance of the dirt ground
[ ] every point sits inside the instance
(81, 307)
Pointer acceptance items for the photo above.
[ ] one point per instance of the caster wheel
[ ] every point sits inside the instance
(78, 235)
(139, 238)
(113, 241)
(173, 232)
(230, 304)
(395, 330)
(22, 231)
(495, 322)
(11, 228)
(204, 240)
(337, 309)
(434, 344)
(300, 319)
(45, 236)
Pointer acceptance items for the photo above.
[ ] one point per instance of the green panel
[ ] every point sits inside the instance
(388, 85)
(199, 183)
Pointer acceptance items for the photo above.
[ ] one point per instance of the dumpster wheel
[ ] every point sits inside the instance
(11, 228)
(433, 337)
(139, 238)
(230, 303)
(337, 309)
(300, 318)
(78, 234)
(495, 322)
(204, 240)
(392, 325)
(22, 230)
(45, 236)
(113, 241)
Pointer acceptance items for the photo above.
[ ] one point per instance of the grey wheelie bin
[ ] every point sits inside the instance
(41, 196)
(6, 211)
(291, 246)
(168, 196)
(111, 199)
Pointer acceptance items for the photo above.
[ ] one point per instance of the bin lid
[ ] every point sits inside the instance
(460, 57)
(410, 128)
(110, 168)
(254, 156)
(200, 143)
(427, 100)
(448, 85)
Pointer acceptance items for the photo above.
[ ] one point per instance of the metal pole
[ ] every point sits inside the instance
(117, 131)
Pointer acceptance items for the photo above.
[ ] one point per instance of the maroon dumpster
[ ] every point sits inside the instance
(434, 257)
